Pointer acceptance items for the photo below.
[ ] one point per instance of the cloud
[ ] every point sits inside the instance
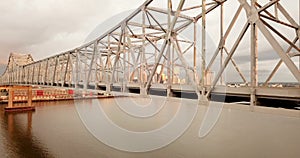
(31, 26)
(264, 55)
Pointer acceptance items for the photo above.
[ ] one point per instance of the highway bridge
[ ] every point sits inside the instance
(146, 52)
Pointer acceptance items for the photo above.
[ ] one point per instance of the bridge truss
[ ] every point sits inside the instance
(148, 49)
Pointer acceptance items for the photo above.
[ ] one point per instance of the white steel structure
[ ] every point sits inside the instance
(146, 50)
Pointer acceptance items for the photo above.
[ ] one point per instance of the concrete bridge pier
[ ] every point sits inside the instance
(11, 99)
(108, 89)
(143, 91)
(170, 92)
(203, 100)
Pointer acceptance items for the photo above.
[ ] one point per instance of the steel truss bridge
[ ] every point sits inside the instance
(147, 51)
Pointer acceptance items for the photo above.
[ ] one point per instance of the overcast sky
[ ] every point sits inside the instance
(47, 27)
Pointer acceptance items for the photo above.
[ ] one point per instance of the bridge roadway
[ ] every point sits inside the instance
(287, 93)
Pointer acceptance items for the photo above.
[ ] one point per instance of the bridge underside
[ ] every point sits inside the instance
(166, 49)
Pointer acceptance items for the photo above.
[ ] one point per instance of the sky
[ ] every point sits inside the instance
(44, 28)
(49, 27)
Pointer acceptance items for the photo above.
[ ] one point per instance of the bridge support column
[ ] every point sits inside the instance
(29, 92)
(143, 91)
(254, 54)
(202, 99)
(11, 97)
(124, 88)
(253, 99)
(108, 89)
(170, 92)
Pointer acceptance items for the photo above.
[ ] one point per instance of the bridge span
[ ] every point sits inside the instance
(146, 52)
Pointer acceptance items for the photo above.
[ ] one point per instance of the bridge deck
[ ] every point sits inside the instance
(286, 93)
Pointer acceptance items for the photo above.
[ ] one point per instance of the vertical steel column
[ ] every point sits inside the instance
(102, 66)
(28, 74)
(54, 71)
(203, 77)
(22, 75)
(71, 70)
(143, 49)
(11, 74)
(254, 57)
(116, 67)
(33, 74)
(64, 79)
(39, 73)
(77, 69)
(108, 67)
(169, 93)
(92, 63)
(195, 50)
(222, 39)
(124, 80)
(85, 69)
(62, 66)
(46, 72)
(128, 65)
(18, 74)
(173, 66)
(120, 50)
(96, 69)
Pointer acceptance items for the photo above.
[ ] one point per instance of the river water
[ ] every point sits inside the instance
(60, 129)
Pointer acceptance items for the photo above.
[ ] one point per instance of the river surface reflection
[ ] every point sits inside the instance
(56, 130)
